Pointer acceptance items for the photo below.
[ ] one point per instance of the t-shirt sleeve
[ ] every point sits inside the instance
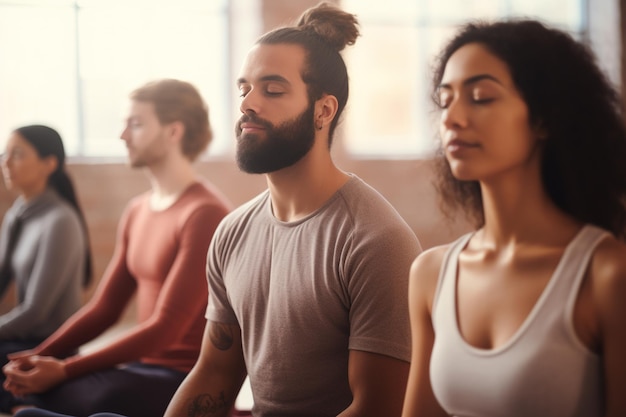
(377, 274)
(219, 308)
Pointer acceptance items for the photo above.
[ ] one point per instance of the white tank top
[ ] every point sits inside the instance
(544, 370)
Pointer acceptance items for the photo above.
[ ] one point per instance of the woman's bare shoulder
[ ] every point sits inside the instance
(430, 260)
(425, 272)
(608, 264)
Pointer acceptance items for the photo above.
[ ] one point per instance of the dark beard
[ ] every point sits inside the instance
(282, 146)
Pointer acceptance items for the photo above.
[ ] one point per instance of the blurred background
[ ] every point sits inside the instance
(71, 65)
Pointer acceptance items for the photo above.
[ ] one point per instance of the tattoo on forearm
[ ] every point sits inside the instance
(204, 405)
(221, 335)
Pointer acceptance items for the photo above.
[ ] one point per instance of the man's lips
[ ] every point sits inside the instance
(251, 126)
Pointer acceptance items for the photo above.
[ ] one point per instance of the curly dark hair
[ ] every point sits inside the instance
(583, 164)
(323, 31)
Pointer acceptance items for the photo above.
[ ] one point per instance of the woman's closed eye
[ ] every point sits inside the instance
(481, 97)
(444, 98)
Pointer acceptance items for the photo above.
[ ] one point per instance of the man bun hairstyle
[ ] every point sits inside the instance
(322, 31)
(336, 27)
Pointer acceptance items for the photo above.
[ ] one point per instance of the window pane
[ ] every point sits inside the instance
(395, 10)
(454, 11)
(389, 112)
(38, 70)
(565, 14)
(72, 64)
(123, 47)
(384, 99)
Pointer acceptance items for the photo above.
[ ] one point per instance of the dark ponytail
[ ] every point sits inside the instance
(47, 142)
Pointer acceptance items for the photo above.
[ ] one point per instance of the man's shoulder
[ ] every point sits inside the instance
(136, 202)
(200, 197)
(203, 193)
(366, 204)
(359, 194)
(373, 218)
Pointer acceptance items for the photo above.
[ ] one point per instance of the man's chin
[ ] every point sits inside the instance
(245, 137)
(134, 163)
(250, 166)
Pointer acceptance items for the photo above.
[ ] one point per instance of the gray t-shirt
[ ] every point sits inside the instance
(48, 266)
(306, 292)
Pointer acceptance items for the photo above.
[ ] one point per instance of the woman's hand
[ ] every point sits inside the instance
(33, 374)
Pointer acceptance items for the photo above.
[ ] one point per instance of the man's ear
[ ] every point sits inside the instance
(176, 131)
(325, 111)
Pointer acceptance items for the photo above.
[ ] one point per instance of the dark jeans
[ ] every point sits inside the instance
(37, 412)
(135, 390)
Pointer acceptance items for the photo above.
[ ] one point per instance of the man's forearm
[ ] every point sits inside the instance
(212, 386)
(191, 400)
(200, 405)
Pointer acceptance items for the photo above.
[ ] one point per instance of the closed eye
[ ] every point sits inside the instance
(244, 89)
(274, 89)
(482, 100)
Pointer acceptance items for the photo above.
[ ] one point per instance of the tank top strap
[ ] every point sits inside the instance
(571, 269)
(575, 265)
(446, 282)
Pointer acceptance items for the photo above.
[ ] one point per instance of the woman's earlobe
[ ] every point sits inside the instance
(540, 131)
(52, 163)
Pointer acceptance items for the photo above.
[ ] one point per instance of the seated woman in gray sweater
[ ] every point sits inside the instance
(43, 241)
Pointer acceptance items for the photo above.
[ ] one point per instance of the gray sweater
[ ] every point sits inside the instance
(48, 265)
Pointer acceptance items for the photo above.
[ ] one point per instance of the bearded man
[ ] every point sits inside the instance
(307, 281)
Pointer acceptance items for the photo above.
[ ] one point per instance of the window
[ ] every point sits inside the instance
(72, 64)
(389, 112)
